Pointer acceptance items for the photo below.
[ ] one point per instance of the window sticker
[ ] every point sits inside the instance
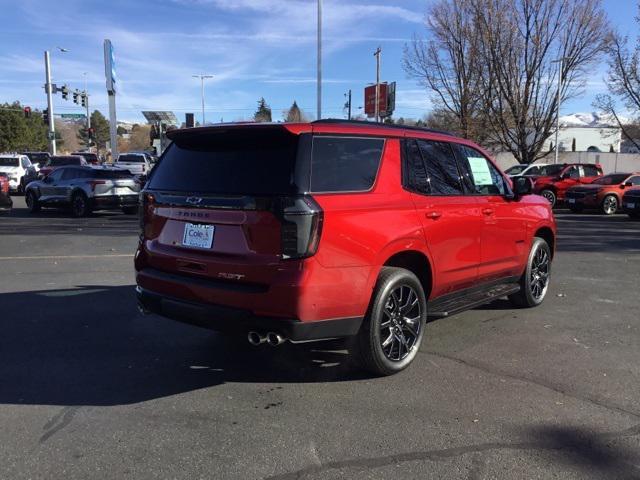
(480, 170)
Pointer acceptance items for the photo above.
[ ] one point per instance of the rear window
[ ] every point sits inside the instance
(38, 157)
(255, 161)
(58, 161)
(131, 158)
(110, 174)
(8, 162)
(344, 164)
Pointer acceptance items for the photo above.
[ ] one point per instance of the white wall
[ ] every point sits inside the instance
(611, 162)
(600, 137)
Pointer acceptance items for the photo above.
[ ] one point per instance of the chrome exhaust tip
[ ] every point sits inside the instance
(274, 339)
(255, 338)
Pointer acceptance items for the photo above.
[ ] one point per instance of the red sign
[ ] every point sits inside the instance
(370, 100)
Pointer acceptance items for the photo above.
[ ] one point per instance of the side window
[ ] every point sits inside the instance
(56, 175)
(590, 171)
(414, 172)
(25, 162)
(484, 177)
(344, 164)
(533, 171)
(572, 172)
(634, 180)
(442, 168)
(70, 173)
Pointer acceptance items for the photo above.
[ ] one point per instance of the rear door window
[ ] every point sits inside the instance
(442, 168)
(344, 164)
(414, 172)
(590, 171)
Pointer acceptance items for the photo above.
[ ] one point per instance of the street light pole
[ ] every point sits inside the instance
(202, 77)
(52, 131)
(319, 80)
(377, 107)
(560, 63)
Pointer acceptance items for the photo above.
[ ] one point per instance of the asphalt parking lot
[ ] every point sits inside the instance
(89, 388)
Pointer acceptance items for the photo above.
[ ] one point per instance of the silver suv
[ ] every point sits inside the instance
(85, 189)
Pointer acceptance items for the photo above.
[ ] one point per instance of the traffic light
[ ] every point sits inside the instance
(75, 97)
(27, 112)
(83, 99)
(45, 116)
(65, 92)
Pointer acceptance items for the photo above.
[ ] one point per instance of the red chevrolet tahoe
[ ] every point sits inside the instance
(557, 179)
(313, 231)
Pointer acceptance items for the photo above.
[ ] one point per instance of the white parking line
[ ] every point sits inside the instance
(68, 257)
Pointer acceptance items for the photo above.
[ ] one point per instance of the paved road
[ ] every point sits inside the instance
(91, 389)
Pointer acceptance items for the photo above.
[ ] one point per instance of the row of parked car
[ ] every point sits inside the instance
(584, 187)
(79, 181)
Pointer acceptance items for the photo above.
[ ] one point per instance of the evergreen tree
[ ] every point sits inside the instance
(263, 114)
(294, 114)
(100, 127)
(18, 133)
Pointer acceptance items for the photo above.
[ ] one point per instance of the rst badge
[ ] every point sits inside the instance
(198, 236)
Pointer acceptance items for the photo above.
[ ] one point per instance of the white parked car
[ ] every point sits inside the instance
(136, 163)
(524, 169)
(18, 169)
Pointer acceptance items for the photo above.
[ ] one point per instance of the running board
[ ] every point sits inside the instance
(450, 305)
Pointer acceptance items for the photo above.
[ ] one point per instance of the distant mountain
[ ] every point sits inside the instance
(592, 119)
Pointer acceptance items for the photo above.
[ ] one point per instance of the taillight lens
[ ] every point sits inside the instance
(145, 209)
(93, 184)
(302, 220)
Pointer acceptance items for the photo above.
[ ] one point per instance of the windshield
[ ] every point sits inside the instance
(111, 174)
(131, 158)
(58, 161)
(8, 162)
(613, 179)
(515, 170)
(549, 170)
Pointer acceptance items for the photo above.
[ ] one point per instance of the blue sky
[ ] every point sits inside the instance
(253, 48)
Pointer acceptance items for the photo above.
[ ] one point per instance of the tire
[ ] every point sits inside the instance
(80, 205)
(610, 205)
(398, 312)
(32, 202)
(130, 210)
(539, 269)
(550, 195)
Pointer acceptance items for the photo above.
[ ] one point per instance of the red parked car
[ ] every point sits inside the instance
(604, 193)
(332, 229)
(5, 198)
(60, 161)
(557, 179)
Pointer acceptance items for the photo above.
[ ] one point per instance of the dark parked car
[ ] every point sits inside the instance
(91, 158)
(604, 193)
(60, 161)
(38, 159)
(84, 189)
(330, 229)
(5, 198)
(631, 202)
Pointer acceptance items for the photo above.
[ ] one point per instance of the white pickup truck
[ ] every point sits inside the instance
(136, 163)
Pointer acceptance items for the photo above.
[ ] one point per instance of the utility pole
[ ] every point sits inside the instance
(319, 81)
(348, 105)
(49, 88)
(377, 107)
(202, 77)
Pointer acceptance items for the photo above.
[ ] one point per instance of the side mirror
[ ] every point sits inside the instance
(522, 186)
(626, 184)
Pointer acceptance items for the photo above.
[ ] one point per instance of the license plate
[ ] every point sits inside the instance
(198, 236)
(572, 200)
(631, 205)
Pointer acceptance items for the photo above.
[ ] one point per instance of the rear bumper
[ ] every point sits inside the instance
(235, 320)
(631, 205)
(115, 201)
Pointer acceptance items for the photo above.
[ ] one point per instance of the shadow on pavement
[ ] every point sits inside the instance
(594, 452)
(598, 233)
(89, 346)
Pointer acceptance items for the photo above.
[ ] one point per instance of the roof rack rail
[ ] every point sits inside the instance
(382, 125)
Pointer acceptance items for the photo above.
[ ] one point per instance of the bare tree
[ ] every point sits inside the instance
(448, 64)
(522, 40)
(623, 82)
(492, 65)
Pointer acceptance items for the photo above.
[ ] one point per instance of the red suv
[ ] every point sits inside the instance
(556, 179)
(330, 229)
(604, 193)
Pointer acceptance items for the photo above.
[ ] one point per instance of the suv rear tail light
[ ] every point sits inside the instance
(93, 184)
(145, 206)
(302, 220)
